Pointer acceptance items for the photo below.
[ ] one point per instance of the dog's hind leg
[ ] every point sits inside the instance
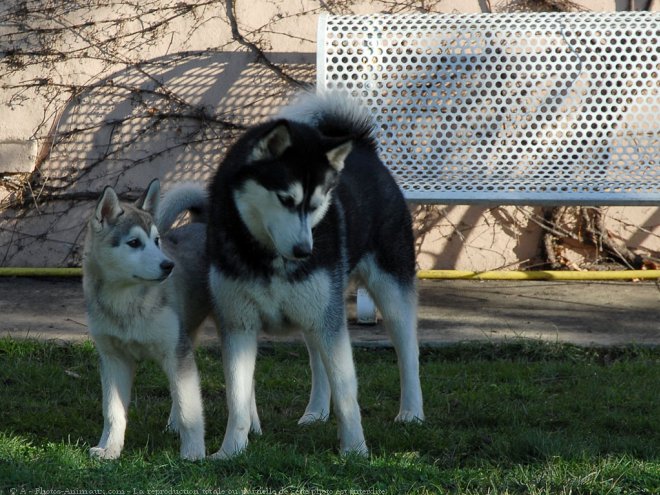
(192, 336)
(397, 303)
(318, 407)
(400, 319)
(187, 410)
(116, 379)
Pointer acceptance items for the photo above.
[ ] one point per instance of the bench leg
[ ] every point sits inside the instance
(366, 309)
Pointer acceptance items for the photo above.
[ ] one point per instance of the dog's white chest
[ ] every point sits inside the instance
(150, 338)
(286, 306)
(275, 306)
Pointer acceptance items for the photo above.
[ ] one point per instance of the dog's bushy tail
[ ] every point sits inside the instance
(334, 114)
(187, 196)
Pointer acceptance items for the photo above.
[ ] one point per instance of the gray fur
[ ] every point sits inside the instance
(139, 307)
(184, 197)
(314, 108)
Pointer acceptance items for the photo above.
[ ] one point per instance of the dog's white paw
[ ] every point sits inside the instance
(193, 452)
(410, 417)
(220, 455)
(255, 427)
(359, 449)
(232, 446)
(172, 427)
(311, 417)
(223, 455)
(104, 453)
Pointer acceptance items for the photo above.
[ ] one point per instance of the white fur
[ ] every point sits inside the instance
(272, 145)
(246, 304)
(318, 407)
(275, 226)
(179, 198)
(119, 351)
(338, 155)
(246, 307)
(334, 348)
(295, 192)
(153, 337)
(309, 108)
(287, 229)
(398, 306)
(319, 204)
(143, 264)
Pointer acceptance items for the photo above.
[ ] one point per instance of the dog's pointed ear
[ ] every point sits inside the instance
(273, 144)
(337, 155)
(108, 209)
(150, 198)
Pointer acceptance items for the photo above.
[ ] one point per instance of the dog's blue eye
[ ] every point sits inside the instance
(157, 241)
(287, 201)
(134, 243)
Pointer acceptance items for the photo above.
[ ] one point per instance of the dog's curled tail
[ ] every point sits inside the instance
(187, 196)
(333, 113)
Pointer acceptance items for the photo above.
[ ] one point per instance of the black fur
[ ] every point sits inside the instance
(368, 214)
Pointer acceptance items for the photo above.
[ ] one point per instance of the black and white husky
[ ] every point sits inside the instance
(300, 204)
(146, 296)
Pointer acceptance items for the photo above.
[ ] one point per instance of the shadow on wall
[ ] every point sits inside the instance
(174, 117)
(171, 118)
(476, 237)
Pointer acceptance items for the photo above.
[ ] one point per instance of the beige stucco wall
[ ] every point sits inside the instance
(198, 62)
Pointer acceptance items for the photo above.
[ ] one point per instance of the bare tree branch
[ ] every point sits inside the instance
(258, 53)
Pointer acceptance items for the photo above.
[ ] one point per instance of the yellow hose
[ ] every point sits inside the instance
(539, 275)
(422, 274)
(40, 272)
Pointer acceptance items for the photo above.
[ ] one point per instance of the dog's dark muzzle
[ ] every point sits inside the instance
(302, 251)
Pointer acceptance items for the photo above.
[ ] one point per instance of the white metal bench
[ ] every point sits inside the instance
(505, 109)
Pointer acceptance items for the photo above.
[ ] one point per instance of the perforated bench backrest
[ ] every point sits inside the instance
(507, 108)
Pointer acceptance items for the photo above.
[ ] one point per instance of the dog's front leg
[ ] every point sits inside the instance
(318, 407)
(239, 351)
(116, 380)
(335, 349)
(187, 409)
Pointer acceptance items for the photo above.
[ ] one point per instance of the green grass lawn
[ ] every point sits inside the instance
(523, 417)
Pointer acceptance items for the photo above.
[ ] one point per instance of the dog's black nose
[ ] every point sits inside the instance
(167, 266)
(302, 251)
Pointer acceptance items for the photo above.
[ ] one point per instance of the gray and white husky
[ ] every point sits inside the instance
(146, 296)
(299, 205)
